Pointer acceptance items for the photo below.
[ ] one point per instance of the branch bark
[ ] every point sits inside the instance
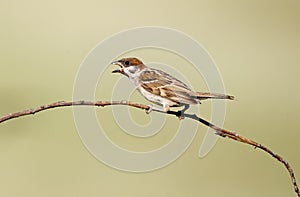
(219, 131)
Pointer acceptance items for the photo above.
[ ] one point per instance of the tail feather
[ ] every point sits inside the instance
(207, 95)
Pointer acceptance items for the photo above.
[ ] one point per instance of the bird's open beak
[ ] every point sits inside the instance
(120, 70)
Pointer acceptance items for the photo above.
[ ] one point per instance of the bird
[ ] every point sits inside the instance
(160, 87)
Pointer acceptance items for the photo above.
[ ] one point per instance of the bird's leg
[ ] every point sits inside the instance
(153, 108)
(149, 110)
(181, 112)
(166, 109)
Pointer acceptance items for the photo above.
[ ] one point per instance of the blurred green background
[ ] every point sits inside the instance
(256, 45)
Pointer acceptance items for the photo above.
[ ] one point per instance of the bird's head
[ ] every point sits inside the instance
(128, 66)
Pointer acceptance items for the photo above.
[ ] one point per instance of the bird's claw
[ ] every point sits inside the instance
(180, 115)
(149, 110)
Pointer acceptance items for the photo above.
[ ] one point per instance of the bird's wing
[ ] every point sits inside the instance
(162, 84)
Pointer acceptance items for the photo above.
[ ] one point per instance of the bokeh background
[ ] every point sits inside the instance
(256, 45)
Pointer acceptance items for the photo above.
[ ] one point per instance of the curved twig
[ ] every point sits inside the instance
(219, 131)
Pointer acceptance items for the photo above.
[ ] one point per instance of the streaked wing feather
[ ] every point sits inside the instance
(160, 83)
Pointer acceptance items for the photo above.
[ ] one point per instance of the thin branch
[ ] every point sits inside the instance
(69, 103)
(219, 131)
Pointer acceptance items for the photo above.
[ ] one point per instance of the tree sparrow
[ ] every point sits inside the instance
(160, 87)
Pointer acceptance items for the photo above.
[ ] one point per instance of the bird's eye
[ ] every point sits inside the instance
(127, 63)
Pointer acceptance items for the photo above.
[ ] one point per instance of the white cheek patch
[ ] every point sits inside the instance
(132, 69)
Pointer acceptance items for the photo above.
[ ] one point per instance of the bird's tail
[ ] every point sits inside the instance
(207, 95)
